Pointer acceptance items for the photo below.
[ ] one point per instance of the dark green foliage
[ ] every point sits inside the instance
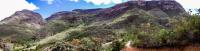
(168, 38)
(190, 28)
(117, 46)
(151, 35)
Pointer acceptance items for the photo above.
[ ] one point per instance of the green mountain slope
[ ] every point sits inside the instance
(152, 25)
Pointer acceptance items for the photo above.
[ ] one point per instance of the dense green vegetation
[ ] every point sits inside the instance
(139, 27)
(181, 31)
(17, 33)
(184, 30)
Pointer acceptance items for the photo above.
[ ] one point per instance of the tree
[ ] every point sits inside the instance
(198, 10)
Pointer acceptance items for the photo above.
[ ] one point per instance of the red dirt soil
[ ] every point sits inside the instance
(195, 47)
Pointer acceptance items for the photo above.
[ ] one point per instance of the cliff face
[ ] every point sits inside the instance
(26, 17)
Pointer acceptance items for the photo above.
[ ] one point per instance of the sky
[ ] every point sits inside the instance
(48, 7)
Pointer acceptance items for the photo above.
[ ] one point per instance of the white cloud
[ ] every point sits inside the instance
(192, 4)
(185, 3)
(9, 7)
(74, 0)
(48, 1)
(104, 2)
(101, 2)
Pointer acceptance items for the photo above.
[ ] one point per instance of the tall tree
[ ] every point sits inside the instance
(198, 11)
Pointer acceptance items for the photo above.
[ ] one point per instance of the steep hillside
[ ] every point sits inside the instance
(25, 17)
(118, 16)
(157, 9)
(147, 25)
(150, 25)
(21, 27)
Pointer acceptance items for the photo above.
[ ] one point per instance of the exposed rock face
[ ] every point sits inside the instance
(171, 8)
(25, 17)
(89, 11)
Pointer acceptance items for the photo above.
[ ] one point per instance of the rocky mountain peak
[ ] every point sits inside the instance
(27, 17)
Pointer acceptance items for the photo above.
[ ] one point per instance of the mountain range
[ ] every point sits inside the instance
(149, 24)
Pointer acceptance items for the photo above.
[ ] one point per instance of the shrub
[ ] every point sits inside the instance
(189, 28)
(77, 35)
(168, 37)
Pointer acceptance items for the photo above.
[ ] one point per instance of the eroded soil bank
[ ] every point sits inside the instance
(192, 47)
